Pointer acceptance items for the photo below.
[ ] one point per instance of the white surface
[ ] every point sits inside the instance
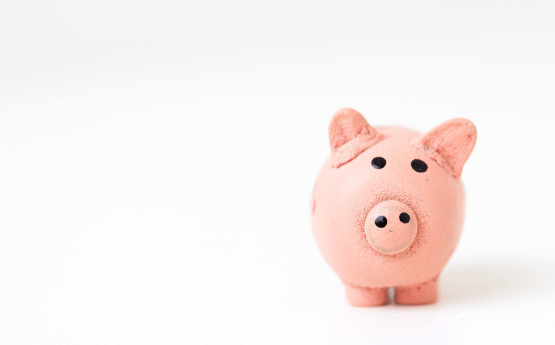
(156, 162)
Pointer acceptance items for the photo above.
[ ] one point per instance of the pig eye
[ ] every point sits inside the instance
(419, 166)
(378, 162)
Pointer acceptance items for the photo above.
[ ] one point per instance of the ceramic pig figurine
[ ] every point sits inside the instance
(388, 206)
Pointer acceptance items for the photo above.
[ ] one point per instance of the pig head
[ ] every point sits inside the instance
(388, 205)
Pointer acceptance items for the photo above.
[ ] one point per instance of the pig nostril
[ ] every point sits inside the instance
(381, 222)
(404, 217)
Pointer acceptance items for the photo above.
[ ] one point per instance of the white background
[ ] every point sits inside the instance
(157, 158)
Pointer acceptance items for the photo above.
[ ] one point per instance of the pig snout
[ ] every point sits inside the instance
(391, 227)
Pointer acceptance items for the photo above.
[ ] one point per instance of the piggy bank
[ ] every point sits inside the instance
(388, 206)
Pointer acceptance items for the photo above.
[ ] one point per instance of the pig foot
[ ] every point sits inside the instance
(421, 293)
(366, 297)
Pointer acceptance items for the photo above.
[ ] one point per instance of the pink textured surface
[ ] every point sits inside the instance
(348, 196)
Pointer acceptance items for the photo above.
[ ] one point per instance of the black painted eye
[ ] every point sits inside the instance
(404, 217)
(378, 162)
(381, 222)
(419, 166)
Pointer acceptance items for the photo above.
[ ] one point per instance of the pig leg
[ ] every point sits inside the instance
(366, 297)
(421, 293)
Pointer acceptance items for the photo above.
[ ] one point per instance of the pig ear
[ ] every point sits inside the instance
(450, 144)
(350, 135)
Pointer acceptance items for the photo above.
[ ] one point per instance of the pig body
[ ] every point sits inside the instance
(388, 206)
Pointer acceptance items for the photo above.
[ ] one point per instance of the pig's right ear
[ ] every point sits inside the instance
(350, 135)
(449, 144)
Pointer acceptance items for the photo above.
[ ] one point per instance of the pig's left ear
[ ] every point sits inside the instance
(350, 135)
(450, 144)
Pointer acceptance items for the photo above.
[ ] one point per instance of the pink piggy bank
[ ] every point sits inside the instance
(388, 206)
